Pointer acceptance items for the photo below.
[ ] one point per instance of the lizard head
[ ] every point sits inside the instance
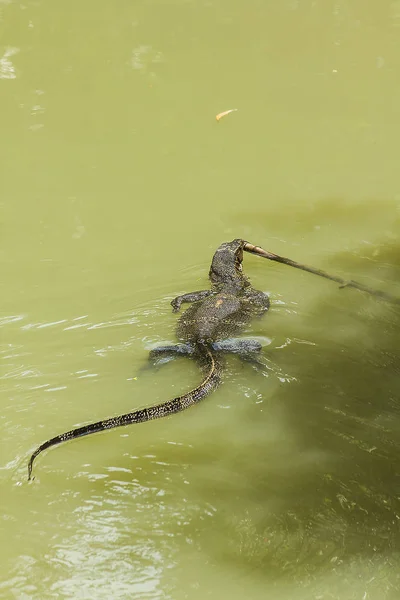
(226, 264)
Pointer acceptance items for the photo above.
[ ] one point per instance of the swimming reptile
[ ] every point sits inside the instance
(204, 330)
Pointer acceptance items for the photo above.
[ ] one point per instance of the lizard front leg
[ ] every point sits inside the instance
(191, 297)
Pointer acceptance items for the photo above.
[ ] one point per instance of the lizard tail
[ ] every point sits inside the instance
(210, 382)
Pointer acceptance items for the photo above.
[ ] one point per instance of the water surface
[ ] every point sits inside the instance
(117, 185)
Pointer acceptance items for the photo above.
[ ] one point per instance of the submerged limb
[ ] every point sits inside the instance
(191, 297)
(164, 354)
(171, 349)
(248, 350)
(257, 361)
(237, 346)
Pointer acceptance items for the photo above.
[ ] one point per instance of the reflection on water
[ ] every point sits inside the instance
(7, 69)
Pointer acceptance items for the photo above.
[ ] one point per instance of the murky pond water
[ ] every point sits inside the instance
(117, 184)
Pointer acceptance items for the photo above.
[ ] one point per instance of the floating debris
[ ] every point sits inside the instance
(226, 112)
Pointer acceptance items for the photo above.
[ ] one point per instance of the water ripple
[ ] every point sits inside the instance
(11, 319)
(7, 69)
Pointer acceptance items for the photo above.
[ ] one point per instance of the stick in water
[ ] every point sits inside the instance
(343, 283)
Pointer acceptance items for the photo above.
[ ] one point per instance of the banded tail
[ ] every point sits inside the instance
(210, 382)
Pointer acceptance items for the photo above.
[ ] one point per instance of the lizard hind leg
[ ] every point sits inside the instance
(248, 350)
(238, 346)
(163, 354)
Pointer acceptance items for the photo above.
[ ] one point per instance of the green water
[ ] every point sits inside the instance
(117, 184)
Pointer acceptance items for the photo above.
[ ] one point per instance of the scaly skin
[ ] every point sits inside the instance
(215, 315)
(209, 383)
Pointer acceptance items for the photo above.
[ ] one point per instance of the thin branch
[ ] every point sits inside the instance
(343, 282)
